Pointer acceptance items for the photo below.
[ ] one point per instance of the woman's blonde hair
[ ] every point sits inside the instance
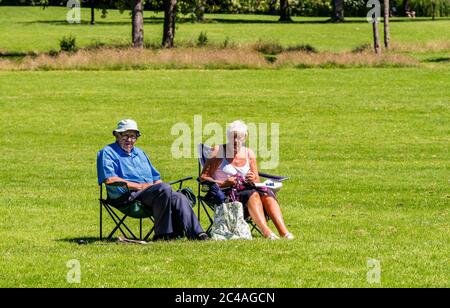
(239, 128)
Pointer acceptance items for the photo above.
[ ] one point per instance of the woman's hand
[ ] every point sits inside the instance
(231, 181)
(251, 177)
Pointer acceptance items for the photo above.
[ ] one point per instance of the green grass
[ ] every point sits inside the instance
(367, 151)
(25, 29)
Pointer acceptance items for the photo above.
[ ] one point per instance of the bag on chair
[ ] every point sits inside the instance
(229, 223)
(189, 194)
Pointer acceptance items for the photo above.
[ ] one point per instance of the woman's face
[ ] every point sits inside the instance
(238, 142)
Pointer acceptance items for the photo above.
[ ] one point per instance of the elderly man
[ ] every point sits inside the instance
(123, 162)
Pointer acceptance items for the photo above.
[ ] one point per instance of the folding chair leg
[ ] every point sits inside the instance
(117, 227)
(205, 208)
(125, 226)
(151, 231)
(119, 223)
(256, 228)
(101, 221)
(149, 234)
(114, 217)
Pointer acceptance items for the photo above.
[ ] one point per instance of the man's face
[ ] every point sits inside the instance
(127, 140)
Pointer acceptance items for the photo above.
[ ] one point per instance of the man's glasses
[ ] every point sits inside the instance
(126, 137)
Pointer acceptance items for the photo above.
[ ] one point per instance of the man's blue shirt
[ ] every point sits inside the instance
(113, 161)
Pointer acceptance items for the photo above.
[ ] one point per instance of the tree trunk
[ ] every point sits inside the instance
(92, 12)
(284, 11)
(138, 24)
(200, 10)
(406, 7)
(170, 14)
(273, 7)
(338, 11)
(433, 3)
(376, 38)
(387, 33)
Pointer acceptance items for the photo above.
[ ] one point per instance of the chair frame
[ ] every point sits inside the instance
(119, 218)
(203, 204)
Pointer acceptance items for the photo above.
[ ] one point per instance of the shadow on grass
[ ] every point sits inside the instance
(147, 20)
(13, 55)
(82, 23)
(439, 60)
(85, 240)
(160, 20)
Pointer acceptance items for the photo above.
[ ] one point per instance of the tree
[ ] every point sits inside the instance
(376, 37)
(272, 7)
(138, 24)
(92, 12)
(338, 11)
(200, 8)
(195, 9)
(406, 7)
(387, 34)
(284, 11)
(433, 7)
(373, 17)
(170, 14)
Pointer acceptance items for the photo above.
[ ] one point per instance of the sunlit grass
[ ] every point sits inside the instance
(25, 29)
(367, 152)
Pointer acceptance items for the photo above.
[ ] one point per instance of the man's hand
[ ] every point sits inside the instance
(145, 185)
(131, 185)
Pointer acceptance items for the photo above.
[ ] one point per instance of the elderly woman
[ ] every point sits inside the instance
(233, 161)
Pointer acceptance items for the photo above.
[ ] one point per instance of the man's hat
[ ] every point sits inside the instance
(126, 125)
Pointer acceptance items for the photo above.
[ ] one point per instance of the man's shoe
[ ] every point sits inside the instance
(163, 237)
(203, 237)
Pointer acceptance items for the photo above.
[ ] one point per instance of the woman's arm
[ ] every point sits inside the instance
(253, 175)
(211, 167)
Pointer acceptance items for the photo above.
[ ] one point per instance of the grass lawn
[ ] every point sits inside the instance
(25, 29)
(367, 151)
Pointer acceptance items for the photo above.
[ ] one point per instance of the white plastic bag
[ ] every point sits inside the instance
(229, 223)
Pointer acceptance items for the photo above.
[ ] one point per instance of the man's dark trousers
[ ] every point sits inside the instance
(171, 211)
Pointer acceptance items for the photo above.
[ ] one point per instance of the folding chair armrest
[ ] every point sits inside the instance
(274, 177)
(201, 181)
(117, 184)
(181, 181)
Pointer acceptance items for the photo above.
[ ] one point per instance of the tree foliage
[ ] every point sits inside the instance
(190, 8)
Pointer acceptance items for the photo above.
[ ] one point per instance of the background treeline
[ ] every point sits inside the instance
(319, 8)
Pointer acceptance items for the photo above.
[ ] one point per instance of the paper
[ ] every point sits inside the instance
(270, 184)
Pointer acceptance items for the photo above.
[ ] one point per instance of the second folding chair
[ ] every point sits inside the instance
(208, 204)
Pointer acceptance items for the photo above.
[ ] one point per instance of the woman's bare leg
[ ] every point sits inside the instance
(274, 211)
(256, 211)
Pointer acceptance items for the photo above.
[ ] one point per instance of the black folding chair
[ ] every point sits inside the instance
(207, 204)
(135, 209)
